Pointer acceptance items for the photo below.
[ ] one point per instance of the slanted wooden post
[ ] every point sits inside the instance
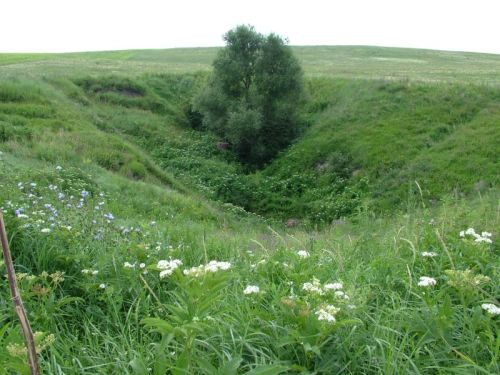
(18, 303)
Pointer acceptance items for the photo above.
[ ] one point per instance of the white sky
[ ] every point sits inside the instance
(91, 25)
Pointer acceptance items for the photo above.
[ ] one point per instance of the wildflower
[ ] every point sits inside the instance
(45, 230)
(333, 286)
(153, 223)
(341, 294)
(142, 265)
(16, 350)
(250, 289)
(168, 267)
(465, 280)
(491, 308)
(483, 237)
(109, 216)
(57, 277)
(33, 184)
(327, 313)
(102, 286)
(429, 254)
(59, 168)
(90, 272)
(426, 281)
(212, 267)
(128, 265)
(313, 287)
(303, 254)
(84, 194)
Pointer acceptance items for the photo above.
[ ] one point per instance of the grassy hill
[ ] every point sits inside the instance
(418, 104)
(100, 170)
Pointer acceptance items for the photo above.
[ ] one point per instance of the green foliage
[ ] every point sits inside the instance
(124, 318)
(252, 97)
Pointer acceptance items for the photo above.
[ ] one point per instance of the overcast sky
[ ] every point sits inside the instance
(91, 25)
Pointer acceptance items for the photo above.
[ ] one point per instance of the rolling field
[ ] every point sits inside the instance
(331, 61)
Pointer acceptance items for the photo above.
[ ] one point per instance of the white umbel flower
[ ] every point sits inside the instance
(426, 281)
(313, 287)
(303, 254)
(168, 267)
(212, 267)
(491, 308)
(251, 289)
(333, 286)
(327, 313)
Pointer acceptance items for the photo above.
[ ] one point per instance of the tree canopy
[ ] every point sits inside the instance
(252, 96)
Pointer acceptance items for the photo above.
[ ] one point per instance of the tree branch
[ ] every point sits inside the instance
(18, 303)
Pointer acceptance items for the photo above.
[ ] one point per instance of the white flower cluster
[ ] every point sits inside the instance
(212, 266)
(303, 254)
(483, 237)
(426, 281)
(133, 265)
(491, 308)
(429, 254)
(251, 289)
(333, 286)
(168, 267)
(315, 287)
(90, 272)
(327, 313)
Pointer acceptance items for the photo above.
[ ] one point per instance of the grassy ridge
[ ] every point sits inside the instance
(393, 134)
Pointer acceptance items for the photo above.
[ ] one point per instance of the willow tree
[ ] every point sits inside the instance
(252, 97)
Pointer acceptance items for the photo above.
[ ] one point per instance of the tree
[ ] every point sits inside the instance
(252, 96)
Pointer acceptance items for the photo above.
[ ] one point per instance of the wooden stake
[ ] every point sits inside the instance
(18, 303)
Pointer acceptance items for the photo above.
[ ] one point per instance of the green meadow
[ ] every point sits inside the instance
(369, 246)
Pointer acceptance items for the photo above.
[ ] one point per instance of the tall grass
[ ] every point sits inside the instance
(126, 319)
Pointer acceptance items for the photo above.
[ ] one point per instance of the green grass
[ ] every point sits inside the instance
(198, 325)
(400, 144)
